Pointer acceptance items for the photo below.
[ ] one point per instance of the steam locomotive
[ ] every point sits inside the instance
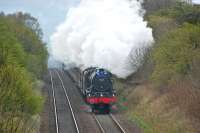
(97, 88)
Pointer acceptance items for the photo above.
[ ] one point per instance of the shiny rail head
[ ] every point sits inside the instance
(117, 123)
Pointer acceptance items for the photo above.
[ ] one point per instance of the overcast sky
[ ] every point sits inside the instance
(50, 13)
(196, 1)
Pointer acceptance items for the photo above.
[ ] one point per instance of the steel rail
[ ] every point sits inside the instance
(99, 124)
(68, 100)
(117, 123)
(54, 104)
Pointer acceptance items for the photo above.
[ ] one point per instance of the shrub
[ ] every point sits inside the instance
(174, 53)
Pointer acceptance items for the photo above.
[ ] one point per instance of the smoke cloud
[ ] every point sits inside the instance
(103, 33)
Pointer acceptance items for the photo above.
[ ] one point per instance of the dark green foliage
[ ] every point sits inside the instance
(17, 92)
(176, 52)
(182, 12)
(29, 37)
(23, 58)
(177, 34)
(155, 5)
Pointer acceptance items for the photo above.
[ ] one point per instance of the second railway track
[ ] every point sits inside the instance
(63, 110)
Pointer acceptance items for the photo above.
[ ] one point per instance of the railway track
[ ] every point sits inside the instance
(58, 119)
(117, 123)
(54, 103)
(118, 128)
(91, 124)
(101, 124)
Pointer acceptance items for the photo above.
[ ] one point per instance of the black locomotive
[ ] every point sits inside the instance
(97, 88)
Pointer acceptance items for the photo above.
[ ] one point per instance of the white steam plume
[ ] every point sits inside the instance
(102, 33)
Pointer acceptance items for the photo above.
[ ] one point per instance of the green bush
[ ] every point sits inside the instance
(175, 52)
(23, 58)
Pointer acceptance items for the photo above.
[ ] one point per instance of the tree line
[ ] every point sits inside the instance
(23, 61)
(167, 93)
(176, 53)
